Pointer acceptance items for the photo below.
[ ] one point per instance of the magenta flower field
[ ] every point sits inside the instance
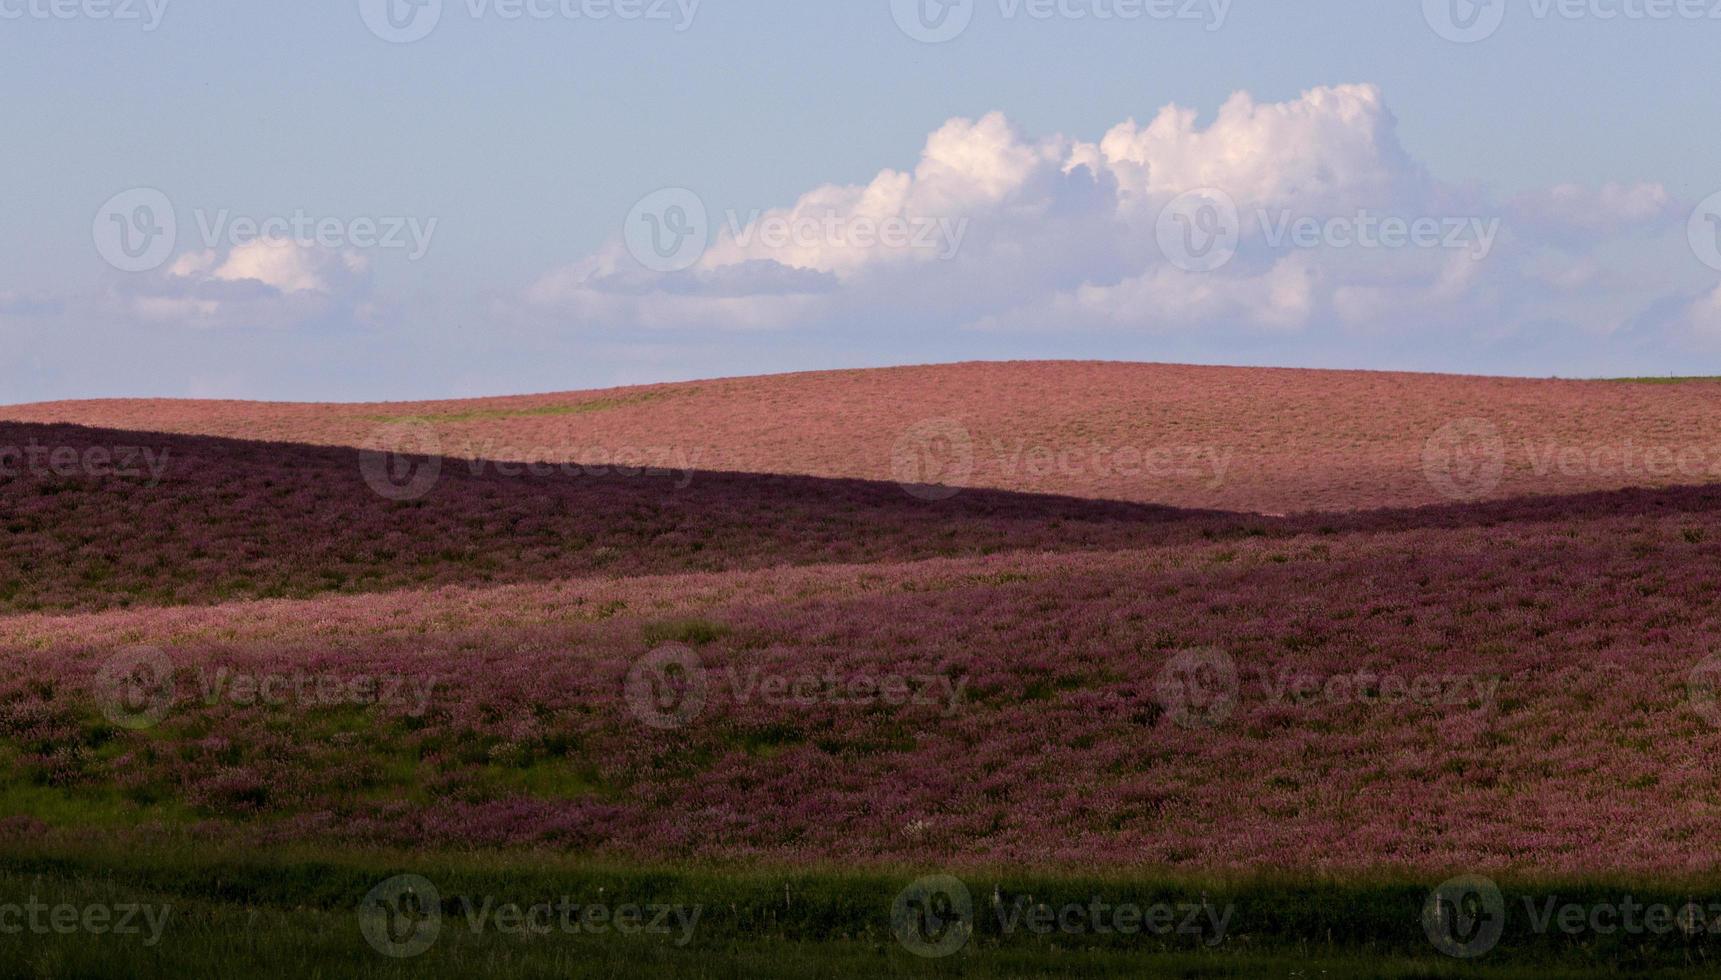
(1245, 439)
(894, 489)
(257, 646)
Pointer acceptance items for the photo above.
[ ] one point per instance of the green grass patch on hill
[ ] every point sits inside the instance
(1670, 380)
(537, 411)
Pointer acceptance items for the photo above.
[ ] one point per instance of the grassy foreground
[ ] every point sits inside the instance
(196, 912)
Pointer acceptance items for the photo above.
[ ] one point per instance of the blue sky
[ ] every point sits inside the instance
(497, 164)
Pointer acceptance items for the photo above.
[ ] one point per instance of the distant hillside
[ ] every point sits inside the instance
(1224, 438)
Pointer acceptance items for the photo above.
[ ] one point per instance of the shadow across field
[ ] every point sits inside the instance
(231, 519)
(1594, 506)
(100, 518)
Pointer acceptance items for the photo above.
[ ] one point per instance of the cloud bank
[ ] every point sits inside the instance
(1336, 229)
(1298, 233)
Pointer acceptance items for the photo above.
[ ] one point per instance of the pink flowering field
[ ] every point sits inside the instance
(779, 660)
(1247, 439)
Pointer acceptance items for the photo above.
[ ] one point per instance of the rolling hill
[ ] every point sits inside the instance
(797, 655)
(1244, 439)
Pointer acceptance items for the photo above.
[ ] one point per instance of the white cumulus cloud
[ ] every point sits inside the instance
(261, 283)
(1001, 230)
